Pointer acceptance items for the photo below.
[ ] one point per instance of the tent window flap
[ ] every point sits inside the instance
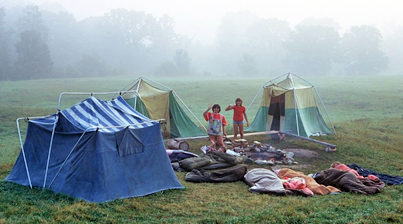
(128, 143)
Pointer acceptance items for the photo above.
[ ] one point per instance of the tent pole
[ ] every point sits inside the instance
(176, 95)
(113, 97)
(255, 98)
(327, 114)
(137, 91)
(295, 104)
(279, 76)
(50, 147)
(320, 99)
(51, 139)
(158, 84)
(302, 79)
(68, 156)
(23, 152)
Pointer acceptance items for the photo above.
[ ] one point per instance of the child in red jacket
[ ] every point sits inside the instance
(239, 114)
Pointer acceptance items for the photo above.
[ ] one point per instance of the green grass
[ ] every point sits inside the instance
(367, 113)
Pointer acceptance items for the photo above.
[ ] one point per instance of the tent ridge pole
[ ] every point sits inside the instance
(131, 83)
(158, 84)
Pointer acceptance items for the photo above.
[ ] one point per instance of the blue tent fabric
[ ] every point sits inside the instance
(101, 151)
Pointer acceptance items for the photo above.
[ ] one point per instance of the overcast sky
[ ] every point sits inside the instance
(200, 18)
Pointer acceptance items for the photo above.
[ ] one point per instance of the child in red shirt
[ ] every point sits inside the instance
(239, 114)
(216, 127)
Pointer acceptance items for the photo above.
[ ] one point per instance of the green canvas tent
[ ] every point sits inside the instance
(163, 103)
(291, 107)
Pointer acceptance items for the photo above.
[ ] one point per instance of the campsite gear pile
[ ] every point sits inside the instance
(259, 153)
(214, 167)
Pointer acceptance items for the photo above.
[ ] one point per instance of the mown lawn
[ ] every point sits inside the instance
(368, 117)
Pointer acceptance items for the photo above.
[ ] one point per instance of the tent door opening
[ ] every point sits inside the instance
(276, 113)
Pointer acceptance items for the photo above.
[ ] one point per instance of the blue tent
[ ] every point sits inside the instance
(100, 151)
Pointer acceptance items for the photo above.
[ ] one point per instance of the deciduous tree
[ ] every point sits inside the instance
(362, 53)
(312, 49)
(33, 55)
(5, 60)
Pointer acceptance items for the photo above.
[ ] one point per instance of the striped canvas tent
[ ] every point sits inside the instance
(289, 106)
(95, 150)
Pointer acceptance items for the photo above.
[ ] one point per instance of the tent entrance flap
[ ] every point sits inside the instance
(276, 113)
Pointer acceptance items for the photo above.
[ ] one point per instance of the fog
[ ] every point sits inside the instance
(182, 37)
(201, 18)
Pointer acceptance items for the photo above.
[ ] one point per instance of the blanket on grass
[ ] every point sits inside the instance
(349, 182)
(230, 174)
(310, 182)
(264, 181)
(178, 155)
(211, 160)
(388, 179)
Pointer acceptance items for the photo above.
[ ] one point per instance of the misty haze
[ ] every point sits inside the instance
(47, 41)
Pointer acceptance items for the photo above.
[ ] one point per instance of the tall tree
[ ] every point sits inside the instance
(162, 41)
(32, 20)
(394, 50)
(33, 55)
(326, 22)
(64, 38)
(33, 60)
(5, 59)
(247, 66)
(312, 49)
(265, 41)
(182, 62)
(362, 52)
(120, 37)
(232, 40)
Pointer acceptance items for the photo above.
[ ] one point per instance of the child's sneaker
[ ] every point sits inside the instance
(204, 149)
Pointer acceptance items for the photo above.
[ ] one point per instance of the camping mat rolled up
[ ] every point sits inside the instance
(195, 162)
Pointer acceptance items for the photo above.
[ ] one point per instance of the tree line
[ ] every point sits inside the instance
(36, 44)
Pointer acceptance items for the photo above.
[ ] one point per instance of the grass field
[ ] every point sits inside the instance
(367, 113)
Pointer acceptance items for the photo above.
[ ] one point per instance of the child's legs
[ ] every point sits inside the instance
(241, 130)
(220, 140)
(236, 130)
(213, 141)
